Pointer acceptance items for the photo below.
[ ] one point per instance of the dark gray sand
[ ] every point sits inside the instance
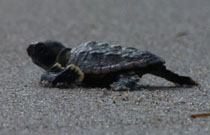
(178, 31)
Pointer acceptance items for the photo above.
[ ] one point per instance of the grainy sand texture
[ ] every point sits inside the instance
(176, 30)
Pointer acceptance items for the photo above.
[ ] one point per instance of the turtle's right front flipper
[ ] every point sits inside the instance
(58, 76)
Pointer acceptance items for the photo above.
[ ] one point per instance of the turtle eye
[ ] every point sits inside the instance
(40, 47)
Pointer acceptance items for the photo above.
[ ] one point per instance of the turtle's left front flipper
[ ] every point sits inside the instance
(58, 76)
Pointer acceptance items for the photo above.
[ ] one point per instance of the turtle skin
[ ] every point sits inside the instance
(98, 65)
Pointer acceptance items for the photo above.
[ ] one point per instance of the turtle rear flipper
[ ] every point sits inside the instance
(173, 77)
(126, 81)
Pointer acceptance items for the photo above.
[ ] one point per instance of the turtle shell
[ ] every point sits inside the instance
(102, 58)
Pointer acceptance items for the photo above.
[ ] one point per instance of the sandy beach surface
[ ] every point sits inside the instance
(178, 31)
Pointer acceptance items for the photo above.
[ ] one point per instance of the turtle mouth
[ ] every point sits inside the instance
(31, 53)
(30, 50)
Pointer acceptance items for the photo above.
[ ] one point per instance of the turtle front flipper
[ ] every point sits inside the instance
(125, 82)
(58, 76)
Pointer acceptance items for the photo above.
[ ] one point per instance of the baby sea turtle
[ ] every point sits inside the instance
(98, 65)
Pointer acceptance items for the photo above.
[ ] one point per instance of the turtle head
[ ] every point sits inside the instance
(46, 54)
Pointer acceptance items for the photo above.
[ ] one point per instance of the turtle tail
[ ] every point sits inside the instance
(163, 72)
